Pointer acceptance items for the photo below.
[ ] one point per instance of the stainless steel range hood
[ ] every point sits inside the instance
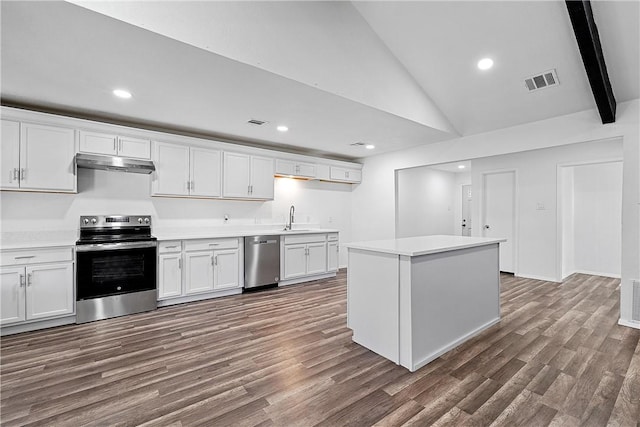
(113, 163)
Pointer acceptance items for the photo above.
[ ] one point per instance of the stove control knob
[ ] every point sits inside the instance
(139, 220)
(146, 220)
(94, 220)
(86, 221)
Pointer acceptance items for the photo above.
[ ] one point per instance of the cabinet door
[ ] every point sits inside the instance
(169, 275)
(354, 175)
(261, 178)
(10, 154)
(333, 252)
(285, 167)
(205, 172)
(134, 148)
(98, 143)
(198, 272)
(12, 308)
(49, 290)
(226, 269)
(307, 170)
(295, 261)
(236, 175)
(316, 258)
(47, 158)
(171, 176)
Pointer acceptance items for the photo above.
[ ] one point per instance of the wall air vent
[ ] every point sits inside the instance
(256, 122)
(542, 80)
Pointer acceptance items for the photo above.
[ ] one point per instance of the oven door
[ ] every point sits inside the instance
(115, 268)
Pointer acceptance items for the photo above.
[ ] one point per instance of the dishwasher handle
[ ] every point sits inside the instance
(264, 242)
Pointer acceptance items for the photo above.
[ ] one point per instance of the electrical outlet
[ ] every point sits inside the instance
(540, 206)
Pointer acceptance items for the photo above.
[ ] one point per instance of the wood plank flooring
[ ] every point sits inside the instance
(285, 357)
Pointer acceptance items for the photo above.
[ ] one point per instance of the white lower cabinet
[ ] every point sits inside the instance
(304, 255)
(210, 265)
(333, 255)
(36, 291)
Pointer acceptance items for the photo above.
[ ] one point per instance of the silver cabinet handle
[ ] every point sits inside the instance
(211, 259)
(24, 257)
(21, 280)
(119, 145)
(16, 175)
(193, 185)
(115, 147)
(23, 173)
(215, 260)
(171, 247)
(188, 185)
(29, 279)
(179, 263)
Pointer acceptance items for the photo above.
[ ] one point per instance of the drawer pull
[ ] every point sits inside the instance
(171, 247)
(24, 257)
(214, 244)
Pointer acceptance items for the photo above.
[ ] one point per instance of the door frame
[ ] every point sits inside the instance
(559, 198)
(516, 220)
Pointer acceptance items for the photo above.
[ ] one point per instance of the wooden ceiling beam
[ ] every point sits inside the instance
(586, 32)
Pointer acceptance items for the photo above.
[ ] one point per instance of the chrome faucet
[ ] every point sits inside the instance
(292, 210)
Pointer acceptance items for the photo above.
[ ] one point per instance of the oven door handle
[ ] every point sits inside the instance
(115, 246)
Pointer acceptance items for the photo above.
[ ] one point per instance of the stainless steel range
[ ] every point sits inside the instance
(116, 267)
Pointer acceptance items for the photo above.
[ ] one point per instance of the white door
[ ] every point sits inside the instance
(466, 210)
(295, 261)
(171, 176)
(98, 143)
(49, 290)
(134, 147)
(47, 158)
(205, 172)
(500, 214)
(333, 253)
(236, 175)
(316, 258)
(12, 284)
(261, 178)
(226, 269)
(10, 155)
(170, 275)
(198, 272)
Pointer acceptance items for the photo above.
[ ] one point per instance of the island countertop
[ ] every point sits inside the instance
(423, 245)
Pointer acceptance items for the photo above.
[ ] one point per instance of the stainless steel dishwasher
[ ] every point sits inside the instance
(261, 261)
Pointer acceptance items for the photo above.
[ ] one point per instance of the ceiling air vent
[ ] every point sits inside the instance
(541, 81)
(256, 122)
(357, 144)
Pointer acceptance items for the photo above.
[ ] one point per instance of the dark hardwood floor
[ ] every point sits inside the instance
(285, 357)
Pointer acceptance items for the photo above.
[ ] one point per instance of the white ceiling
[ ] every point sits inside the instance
(395, 74)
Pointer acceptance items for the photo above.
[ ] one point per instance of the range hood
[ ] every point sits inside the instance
(114, 163)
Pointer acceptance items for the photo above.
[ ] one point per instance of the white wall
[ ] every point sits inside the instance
(568, 266)
(323, 204)
(425, 202)
(536, 208)
(374, 199)
(598, 218)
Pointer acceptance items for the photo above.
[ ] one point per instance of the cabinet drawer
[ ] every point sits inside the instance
(305, 238)
(36, 256)
(213, 244)
(332, 237)
(169, 246)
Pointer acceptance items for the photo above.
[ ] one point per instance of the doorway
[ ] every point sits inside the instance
(499, 214)
(466, 210)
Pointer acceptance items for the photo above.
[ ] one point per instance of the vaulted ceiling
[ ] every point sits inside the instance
(390, 73)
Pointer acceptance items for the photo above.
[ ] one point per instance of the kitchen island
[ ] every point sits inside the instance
(413, 299)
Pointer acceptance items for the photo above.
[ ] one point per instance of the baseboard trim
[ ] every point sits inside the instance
(306, 279)
(198, 297)
(630, 323)
(542, 278)
(34, 326)
(597, 273)
(431, 357)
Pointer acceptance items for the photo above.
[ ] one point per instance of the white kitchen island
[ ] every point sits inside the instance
(413, 299)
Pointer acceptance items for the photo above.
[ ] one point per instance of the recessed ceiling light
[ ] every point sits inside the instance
(485, 63)
(282, 128)
(461, 166)
(369, 146)
(121, 93)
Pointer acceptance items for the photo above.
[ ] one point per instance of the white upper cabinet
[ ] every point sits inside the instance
(10, 154)
(186, 171)
(101, 143)
(345, 174)
(205, 172)
(247, 177)
(38, 157)
(293, 168)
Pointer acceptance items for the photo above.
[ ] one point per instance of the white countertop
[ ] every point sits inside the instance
(423, 245)
(47, 239)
